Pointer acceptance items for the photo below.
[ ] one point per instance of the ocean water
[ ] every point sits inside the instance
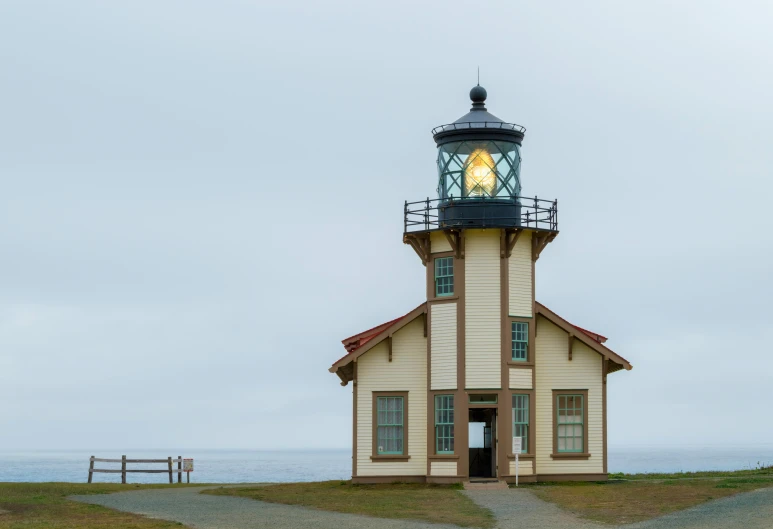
(241, 466)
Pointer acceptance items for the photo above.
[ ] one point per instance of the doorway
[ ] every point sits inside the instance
(482, 442)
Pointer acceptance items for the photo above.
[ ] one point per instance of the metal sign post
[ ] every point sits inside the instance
(516, 451)
(188, 468)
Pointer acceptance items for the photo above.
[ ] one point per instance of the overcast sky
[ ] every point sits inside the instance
(199, 200)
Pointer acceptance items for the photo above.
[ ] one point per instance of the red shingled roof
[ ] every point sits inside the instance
(596, 336)
(352, 343)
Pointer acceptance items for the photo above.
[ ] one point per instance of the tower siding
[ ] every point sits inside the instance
(483, 322)
(439, 243)
(444, 347)
(519, 268)
(520, 378)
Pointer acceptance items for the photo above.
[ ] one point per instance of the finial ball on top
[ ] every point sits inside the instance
(478, 94)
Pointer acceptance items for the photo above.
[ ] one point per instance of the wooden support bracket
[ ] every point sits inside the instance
(420, 245)
(539, 242)
(510, 238)
(454, 238)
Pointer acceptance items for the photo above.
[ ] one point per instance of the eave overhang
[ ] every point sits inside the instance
(344, 367)
(615, 361)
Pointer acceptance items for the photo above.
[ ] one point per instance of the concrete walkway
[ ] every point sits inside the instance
(514, 509)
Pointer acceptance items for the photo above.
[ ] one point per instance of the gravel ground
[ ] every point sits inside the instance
(514, 509)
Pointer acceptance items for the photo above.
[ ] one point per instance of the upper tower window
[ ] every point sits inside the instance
(444, 276)
(520, 332)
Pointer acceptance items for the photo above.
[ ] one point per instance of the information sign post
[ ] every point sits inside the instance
(188, 468)
(516, 451)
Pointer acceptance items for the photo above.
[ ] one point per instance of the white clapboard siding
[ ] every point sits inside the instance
(519, 268)
(525, 468)
(555, 371)
(520, 378)
(439, 242)
(406, 372)
(483, 354)
(443, 344)
(442, 468)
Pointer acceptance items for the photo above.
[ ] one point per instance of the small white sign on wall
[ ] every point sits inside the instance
(516, 451)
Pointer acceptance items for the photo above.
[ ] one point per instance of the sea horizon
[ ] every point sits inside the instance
(321, 464)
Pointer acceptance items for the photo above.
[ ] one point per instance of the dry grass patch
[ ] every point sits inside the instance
(45, 505)
(622, 502)
(430, 503)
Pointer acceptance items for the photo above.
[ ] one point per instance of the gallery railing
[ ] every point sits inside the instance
(479, 125)
(481, 212)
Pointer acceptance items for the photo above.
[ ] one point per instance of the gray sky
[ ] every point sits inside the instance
(199, 200)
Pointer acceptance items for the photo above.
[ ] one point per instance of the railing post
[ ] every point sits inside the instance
(536, 212)
(405, 217)
(179, 469)
(426, 215)
(91, 467)
(123, 469)
(169, 460)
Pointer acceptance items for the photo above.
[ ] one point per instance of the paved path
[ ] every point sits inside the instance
(514, 509)
(204, 511)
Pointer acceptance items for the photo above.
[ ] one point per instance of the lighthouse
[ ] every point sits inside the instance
(440, 393)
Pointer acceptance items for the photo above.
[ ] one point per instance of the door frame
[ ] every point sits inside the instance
(494, 436)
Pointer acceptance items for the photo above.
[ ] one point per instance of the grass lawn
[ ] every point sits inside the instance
(45, 505)
(633, 498)
(431, 503)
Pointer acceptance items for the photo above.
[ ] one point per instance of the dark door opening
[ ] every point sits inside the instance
(482, 442)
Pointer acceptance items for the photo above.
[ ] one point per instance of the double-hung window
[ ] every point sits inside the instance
(570, 421)
(444, 276)
(444, 424)
(521, 420)
(390, 427)
(520, 335)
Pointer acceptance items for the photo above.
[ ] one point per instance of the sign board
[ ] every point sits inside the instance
(517, 445)
(187, 465)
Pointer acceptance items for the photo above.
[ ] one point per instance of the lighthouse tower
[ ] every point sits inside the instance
(480, 239)
(448, 391)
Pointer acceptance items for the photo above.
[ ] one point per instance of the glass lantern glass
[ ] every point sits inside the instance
(479, 169)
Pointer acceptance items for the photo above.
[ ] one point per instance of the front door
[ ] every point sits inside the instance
(482, 442)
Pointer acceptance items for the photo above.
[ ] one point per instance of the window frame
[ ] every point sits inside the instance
(513, 341)
(453, 411)
(375, 455)
(525, 444)
(435, 276)
(564, 454)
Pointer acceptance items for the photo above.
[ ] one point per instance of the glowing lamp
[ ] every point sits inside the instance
(480, 176)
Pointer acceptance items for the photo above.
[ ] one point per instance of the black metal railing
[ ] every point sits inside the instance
(479, 125)
(432, 214)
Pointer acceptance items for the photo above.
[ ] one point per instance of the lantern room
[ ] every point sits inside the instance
(479, 155)
(479, 177)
